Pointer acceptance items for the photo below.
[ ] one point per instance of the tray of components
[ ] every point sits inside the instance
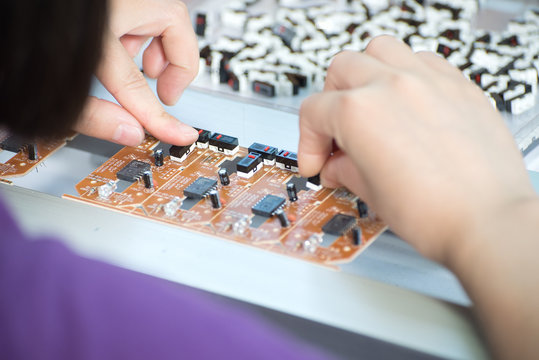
(276, 53)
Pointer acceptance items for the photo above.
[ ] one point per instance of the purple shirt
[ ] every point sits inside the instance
(57, 305)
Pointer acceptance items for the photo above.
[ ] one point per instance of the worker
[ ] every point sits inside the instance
(406, 132)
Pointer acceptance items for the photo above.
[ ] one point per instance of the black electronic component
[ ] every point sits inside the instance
(224, 67)
(263, 88)
(233, 82)
(362, 208)
(301, 79)
(224, 143)
(314, 183)
(147, 178)
(158, 157)
(294, 82)
(285, 33)
(250, 164)
(287, 160)
(444, 50)
(205, 53)
(292, 192)
(510, 41)
(283, 219)
(268, 153)
(179, 153)
(133, 171)
(356, 236)
(339, 224)
(223, 176)
(13, 143)
(199, 188)
(476, 76)
(214, 198)
(32, 151)
(451, 34)
(268, 205)
(200, 24)
(203, 138)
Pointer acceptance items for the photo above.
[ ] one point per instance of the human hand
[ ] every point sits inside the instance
(171, 57)
(417, 141)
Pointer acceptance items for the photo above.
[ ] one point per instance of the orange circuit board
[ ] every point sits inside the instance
(25, 155)
(201, 188)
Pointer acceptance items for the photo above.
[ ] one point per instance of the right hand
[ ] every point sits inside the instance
(417, 141)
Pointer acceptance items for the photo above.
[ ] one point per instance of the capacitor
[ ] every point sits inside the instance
(214, 198)
(362, 209)
(223, 176)
(148, 179)
(356, 236)
(292, 192)
(158, 156)
(32, 151)
(282, 218)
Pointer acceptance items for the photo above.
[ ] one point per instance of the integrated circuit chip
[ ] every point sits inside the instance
(268, 205)
(14, 143)
(133, 171)
(339, 224)
(199, 188)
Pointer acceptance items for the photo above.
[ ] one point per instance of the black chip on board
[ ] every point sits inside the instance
(339, 224)
(199, 188)
(133, 171)
(14, 143)
(268, 205)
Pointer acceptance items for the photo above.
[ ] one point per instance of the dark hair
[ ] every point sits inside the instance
(51, 48)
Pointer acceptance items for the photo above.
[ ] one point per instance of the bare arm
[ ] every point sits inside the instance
(423, 146)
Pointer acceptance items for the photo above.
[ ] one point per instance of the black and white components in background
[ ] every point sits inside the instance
(180, 153)
(32, 151)
(147, 178)
(283, 219)
(203, 138)
(133, 170)
(200, 188)
(223, 177)
(250, 164)
(268, 153)
(362, 208)
(224, 144)
(292, 192)
(313, 183)
(215, 199)
(158, 157)
(268, 205)
(287, 160)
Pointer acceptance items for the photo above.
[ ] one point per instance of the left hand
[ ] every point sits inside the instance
(172, 58)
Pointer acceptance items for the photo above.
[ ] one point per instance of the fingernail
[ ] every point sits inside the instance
(189, 134)
(128, 135)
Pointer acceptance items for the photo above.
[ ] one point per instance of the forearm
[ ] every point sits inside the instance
(498, 265)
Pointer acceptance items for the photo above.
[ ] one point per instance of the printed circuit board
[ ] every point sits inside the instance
(206, 189)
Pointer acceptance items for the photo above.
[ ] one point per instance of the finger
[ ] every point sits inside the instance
(351, 69)
(316, 132)
(133, 43)
(108, 121)
(437, 62)
(181, 51)
(340, 170)
(392, 52)
(154, 60)
(122, 78)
